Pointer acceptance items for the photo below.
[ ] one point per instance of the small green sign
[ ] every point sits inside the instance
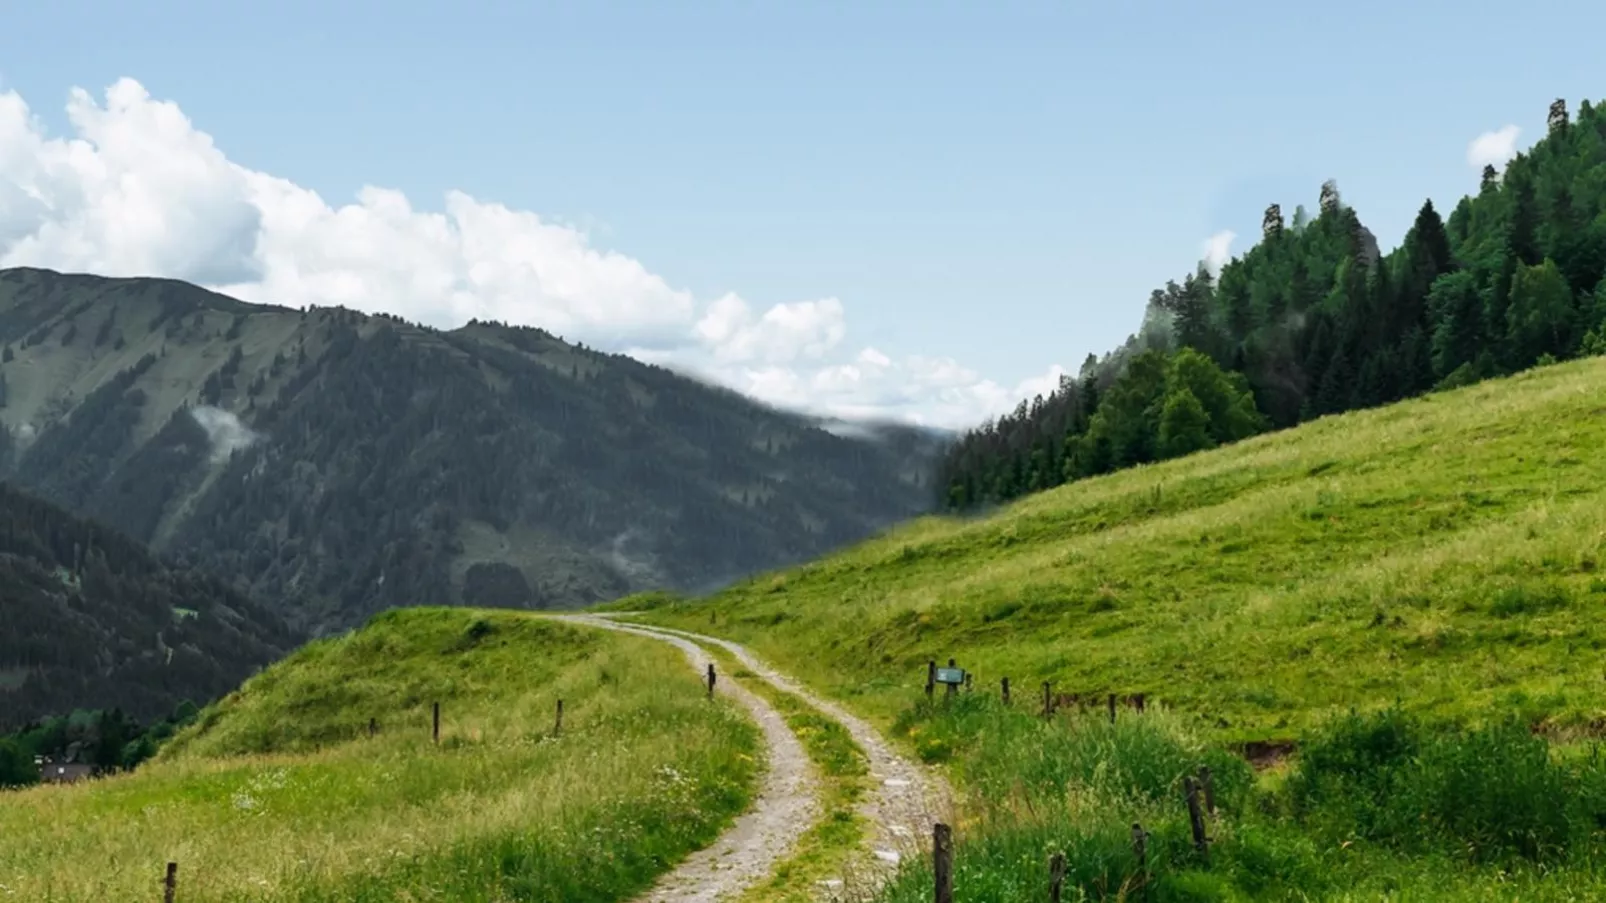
(950, 675)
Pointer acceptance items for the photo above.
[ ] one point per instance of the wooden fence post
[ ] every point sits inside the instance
(1112, 708)
(942, 853)
(557, 726)
(170, 883)
(436, 731)
(931, 677)
(1048, 701)
(1006, 690)
(1137, 702)
(710, 680)
(373, 726)
(968, 675)
(1209, 789)
(952, 688)
(1195, 817)
(1056, 877)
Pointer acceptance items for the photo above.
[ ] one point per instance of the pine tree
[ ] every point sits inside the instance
(1329, 201)
(1184, 425)
(1540, 319)
(1271, 225)
(1455, 308)
(1556, 122)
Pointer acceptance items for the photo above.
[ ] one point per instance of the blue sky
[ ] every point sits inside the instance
(986, 189)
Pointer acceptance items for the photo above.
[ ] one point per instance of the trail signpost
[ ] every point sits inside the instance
(951, 676)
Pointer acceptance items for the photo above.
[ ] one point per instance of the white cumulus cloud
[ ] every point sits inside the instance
(1493, 148)
(137, 189)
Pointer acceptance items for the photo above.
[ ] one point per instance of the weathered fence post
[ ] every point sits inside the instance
(1209, 787)
(1137, 702)
(967, 681)
(1112, 708)
(952, 688)
(373, 726)
(557, 726)
(1048, 701)
(931, 677)
(1056, 877)
(1006, 690)
(436, 730)
(710, 680)
(170, 883)
(942, 854)
(1195, 817)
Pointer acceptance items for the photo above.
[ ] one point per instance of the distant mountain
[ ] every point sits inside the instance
(92, 620)
(334, 464)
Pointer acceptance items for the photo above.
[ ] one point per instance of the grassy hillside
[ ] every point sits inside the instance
(1445, 552)
(92, 620)
(1435, 565)
(277, 793)
(339, 464)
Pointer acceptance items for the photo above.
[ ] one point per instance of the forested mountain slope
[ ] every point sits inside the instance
(1314, 321)
(90, 619)
(336, 464)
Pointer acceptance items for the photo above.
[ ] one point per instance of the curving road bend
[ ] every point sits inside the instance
(787, 802)
(906, 801)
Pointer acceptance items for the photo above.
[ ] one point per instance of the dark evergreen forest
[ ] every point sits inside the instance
(1313, 321)
(90, 619)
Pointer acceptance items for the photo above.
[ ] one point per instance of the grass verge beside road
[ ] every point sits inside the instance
(277, 793)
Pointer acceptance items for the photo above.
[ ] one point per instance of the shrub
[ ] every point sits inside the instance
(1490, 794)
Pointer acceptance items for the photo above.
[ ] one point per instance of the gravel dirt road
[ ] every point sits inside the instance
(906, 799)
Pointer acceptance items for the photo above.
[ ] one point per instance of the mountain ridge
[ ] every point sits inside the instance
(315, 456)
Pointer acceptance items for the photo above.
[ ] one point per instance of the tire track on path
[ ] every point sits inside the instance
(787, 802)
(907, 800)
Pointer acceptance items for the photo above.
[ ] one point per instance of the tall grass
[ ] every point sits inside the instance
(277, 793)
(1495, 793)
(1375, 806)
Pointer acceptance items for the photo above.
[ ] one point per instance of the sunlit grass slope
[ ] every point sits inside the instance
(279, 794)
(1444, 552)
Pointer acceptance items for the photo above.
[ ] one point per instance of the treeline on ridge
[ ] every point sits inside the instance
(1313, 321)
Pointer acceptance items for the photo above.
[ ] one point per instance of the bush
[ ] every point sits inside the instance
(16, 765)
(1489, 794)
(1495, 792)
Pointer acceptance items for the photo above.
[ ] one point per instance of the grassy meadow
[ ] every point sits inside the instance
(278, 792)
(1444, 553)
(1378, 806)
(1410, 596)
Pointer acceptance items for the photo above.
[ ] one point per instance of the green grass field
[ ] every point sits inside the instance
(1377, 807)
(1444, 552)
(1412, 595)
(277, 793)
